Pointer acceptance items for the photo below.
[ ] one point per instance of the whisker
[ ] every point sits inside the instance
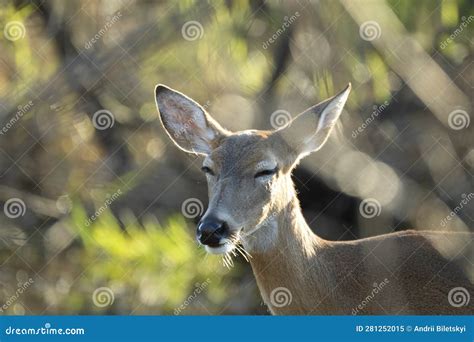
(243, 255)
(244, 251)
(235, 240)
(229, 259)
(224, 261)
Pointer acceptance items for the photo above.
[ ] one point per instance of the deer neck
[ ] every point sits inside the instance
(284, 258)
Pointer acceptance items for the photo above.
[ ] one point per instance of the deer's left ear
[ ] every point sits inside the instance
(309, 131)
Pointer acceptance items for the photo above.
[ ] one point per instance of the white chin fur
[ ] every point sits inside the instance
(221, 249)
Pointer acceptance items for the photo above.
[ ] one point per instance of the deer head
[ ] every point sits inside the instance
(248, 172)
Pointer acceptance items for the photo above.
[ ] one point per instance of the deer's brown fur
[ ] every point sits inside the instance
(326, 277)
(418, 269)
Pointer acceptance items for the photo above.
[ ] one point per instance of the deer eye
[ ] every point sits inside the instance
(265, 173)
(207, 170)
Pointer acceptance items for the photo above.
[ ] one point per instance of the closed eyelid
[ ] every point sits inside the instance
(208, 163)
(265, 165)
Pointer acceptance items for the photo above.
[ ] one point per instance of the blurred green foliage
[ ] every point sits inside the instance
(151, 267)
(55, 151)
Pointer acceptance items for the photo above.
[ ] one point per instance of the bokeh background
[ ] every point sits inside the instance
(99, 207)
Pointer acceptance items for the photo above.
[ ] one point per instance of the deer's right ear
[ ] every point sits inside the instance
(186, 122)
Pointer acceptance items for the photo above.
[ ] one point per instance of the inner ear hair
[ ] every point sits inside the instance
(187, 124)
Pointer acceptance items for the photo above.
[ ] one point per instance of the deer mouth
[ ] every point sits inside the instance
(224, 246)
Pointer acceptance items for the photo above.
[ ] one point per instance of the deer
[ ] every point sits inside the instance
(253, 207)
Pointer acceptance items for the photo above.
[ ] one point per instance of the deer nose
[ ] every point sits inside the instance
(210, 231)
